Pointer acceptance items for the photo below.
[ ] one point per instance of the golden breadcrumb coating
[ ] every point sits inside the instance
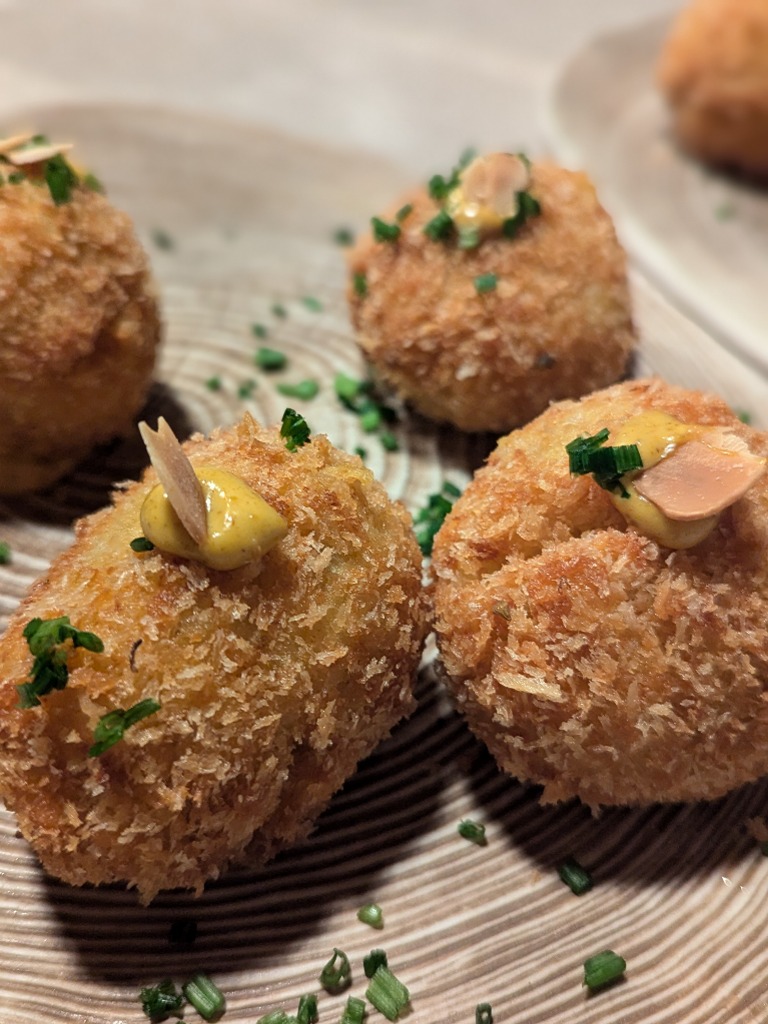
(272, 686)
(587, 657)
(713, 70)
(558, 323)
(79, 326)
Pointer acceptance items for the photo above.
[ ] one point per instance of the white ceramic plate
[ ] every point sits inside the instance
(679, 891)
(700, 235)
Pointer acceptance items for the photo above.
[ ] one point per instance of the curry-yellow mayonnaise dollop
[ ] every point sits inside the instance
(241, 525)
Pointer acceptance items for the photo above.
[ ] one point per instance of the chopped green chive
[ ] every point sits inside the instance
(485, 283)
(440, 227)
(473, 831)
(354, 1011)
(483, 1013)
(294, 430)
(360, 284)
(388, 441)
(305, 389)
(46, 639)
(387, 993)
(183, 932)
(376, 958)
(744, 416)
(343, 236)
(206, 997)
(384, 232)
(603, 968)
(5, 552)
(162, 240)
(213, 383)
(575, 877)
(469, 238)
(606, 464)
(372, 915)
(527, 207)
(16, 177)
(141, 544)
(269, 359)
(349, 390)
(111, 727)
(307, 1011)
(259, 330)
(277, 1017)
(279, 310)
(336, 974)
(370, 417)
(361, 452)
(159, 1000)
(312, 304)
(403, 212)
(246, 389)
(60, 179)
(92, 183)
(429, 519)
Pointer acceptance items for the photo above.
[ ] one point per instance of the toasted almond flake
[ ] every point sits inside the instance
(177, 476)
(494, 181)
(699, 479)
(14, 141)
(36, 154)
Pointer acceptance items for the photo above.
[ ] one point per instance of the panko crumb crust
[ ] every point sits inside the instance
(713, 70)
(558, 323)
(272, 686)
(588, 658)
(79, 324)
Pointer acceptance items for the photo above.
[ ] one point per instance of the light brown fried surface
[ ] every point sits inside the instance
(557, 325)
(588, 658)
(713, 70)
(272, 688)
(79, 326)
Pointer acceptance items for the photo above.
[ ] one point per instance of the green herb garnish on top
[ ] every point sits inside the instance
(50, 641)
(111, 727)
(607, 464)
(294, 430)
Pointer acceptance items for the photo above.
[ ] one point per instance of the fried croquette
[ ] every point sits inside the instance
(588, 657)
(485, 337)
(273, 682)
(713, 70)
(79, 325)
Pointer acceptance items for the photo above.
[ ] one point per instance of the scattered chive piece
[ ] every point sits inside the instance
(276, 1017)
(259, 330)
(60, 179)
(404, 212)
(92, 183)
(162, 239)
(5, 552)
(183, 932)
(603, 968)
(429, 519)
(343, 236)
(111, 727)
(279, 310)
(439, 227)
(744, 416)
(294, 429)
(483, 1013)
(371, 914)
(269, 359)
(575, 877)
(485, 283)
(349, 390)
(312, 304)
(213, 383)
(159, 1000)
(376, 958)
(245, 390)
(305, 389)
(388, 441)
(206, 998)
(387, 993)
(361, 452)
(384, 232)
(370, 418)
(354, 1011)
(606, 464)
(307, 1012)
(469, 238)
(473, 831)
(45, 639)
(142, 544)
(527, 207)
(16, 177)
(336, 974)
(360, 284)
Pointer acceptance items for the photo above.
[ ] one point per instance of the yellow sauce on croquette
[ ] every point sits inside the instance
(242, 526)
(657, 435)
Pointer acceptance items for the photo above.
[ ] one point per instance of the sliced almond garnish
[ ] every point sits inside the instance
(36, 154)
(494, 181)
(701, 477)
(14, 141)
(177, 476)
